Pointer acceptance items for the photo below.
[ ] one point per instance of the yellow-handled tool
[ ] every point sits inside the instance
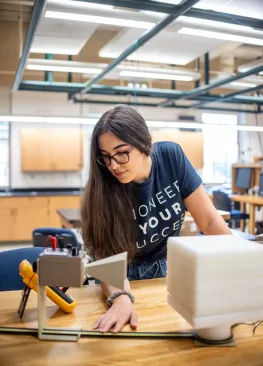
(60, 298)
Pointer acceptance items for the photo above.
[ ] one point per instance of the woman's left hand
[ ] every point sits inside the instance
(121, 312)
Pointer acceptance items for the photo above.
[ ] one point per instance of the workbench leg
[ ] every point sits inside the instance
(242, 222)
(251, 219)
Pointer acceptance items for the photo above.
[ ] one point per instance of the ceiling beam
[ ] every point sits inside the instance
(166, 8)
(230, 96)
(206, 88)
(37, 12)
(139, 104)
(61, 87)
(149, 34)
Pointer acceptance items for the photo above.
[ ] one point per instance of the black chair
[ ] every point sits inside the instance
(41, 234)
(223, 202)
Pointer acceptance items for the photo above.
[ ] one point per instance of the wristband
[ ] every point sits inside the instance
(117, 294)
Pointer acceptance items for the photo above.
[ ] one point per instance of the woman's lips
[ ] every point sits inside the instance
(120, 174)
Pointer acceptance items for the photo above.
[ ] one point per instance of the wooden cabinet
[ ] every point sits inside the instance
(19, 216)
(51, 150)
(61, 202)
(6, 224)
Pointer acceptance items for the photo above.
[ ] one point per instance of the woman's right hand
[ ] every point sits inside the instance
(121, 312)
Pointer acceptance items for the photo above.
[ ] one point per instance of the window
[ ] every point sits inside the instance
(220, 147)
(4, 154)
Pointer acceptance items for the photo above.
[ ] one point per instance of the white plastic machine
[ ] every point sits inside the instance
(68, 268)
(215, 282)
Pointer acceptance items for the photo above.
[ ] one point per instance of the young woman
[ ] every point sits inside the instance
(134, 200)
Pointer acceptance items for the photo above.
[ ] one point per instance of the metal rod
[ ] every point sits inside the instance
(70, 73)
(141, 104)
(149, 34)
(206, 88)
(230, 96)
(49, 75)
(206, 68)
(35, 17)
(197, 83)
(166, 8)
(121, 90)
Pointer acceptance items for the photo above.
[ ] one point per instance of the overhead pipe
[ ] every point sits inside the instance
(49, 75)
(140, 104)
(230, 96)
(197, 83)
(149, 34)
(37, 12)
(166, 8)
(62, 87)
(206, 88)
(206, 64)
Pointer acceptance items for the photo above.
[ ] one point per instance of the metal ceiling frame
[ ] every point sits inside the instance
(139, 104)
(167, 8)
(38, 9)
(206, 88)
(71, 88)
(149, 34)
(228, 97)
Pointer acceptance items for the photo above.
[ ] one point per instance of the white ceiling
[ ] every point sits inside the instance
(166, 47)
(61, 36)
(68, 37)
(249, 8)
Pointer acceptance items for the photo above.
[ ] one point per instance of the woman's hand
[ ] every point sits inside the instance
(121, 312)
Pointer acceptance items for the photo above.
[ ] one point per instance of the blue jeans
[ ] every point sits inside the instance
(147, 270)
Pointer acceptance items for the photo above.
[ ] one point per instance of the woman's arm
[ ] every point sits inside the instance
(205, 214)
(121, 312)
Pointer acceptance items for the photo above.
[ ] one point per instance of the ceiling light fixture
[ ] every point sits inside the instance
(93, 121)
(99, 19)
(245, 85)
(80, 70)
(80, 4)
(219, 35)
(150, 75)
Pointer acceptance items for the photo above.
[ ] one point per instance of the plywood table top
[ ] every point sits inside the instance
(154, 315)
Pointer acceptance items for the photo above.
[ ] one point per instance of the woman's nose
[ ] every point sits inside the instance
(114, 164)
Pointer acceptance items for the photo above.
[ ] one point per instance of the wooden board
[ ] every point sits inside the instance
(192, 144)
(51, 149)
(154, 316)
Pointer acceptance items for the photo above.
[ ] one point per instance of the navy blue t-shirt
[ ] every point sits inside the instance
(161, 209)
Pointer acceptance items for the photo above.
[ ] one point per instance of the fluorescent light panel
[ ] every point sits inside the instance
(80, 4)
(245, 85)
(150, 75)
(99, 20)
(93, 121)
(223, 36)
(80, 70)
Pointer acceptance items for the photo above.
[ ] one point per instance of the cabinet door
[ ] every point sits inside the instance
(6, 224)
(26, 220)
(54, 149)
(56, 203)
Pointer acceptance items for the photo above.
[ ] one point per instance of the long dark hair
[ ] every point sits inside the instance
(108, 223)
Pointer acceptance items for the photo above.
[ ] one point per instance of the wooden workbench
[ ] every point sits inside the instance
(253, 201)
(154, 315)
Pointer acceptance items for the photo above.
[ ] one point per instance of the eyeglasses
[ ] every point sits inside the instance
(120, 158)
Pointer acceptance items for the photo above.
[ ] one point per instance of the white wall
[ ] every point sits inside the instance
(251, 143)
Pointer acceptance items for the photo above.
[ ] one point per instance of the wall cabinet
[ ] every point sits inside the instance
(19, 216)
(51, 150)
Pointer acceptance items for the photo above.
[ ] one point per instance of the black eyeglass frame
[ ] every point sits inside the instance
(113, 157)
